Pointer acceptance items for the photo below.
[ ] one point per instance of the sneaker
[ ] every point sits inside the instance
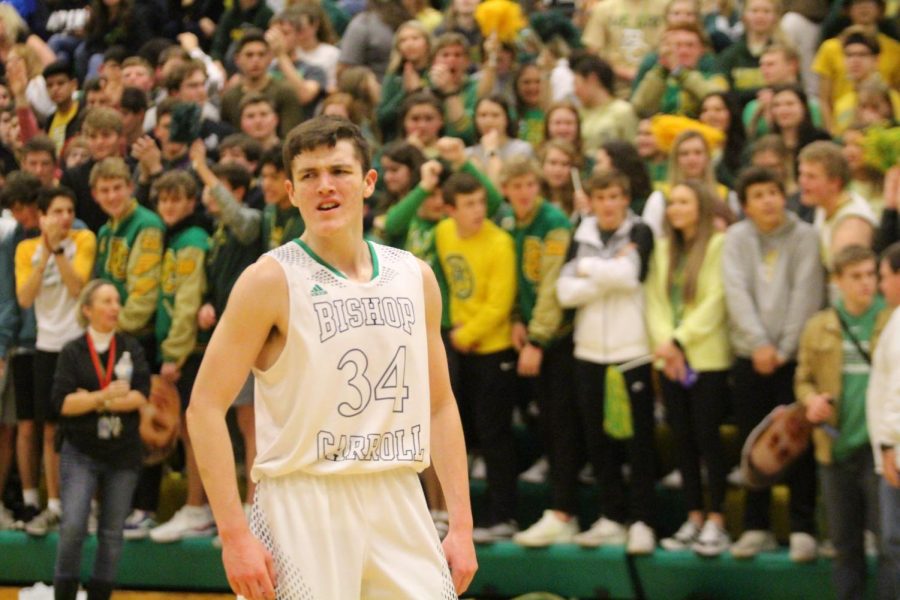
(803, 548)
(672, 481)
(188, 522)
(753, 542)
(712, 541)
(138, 525)
(536, 473)
(479, 468)
(683, 539)
(641, 539)
(549, 530)
(24, 515)
(498, 532)
(603, 532)
(43, 524)
(7, 520)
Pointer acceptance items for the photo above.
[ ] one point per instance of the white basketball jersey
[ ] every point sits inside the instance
(349, 392)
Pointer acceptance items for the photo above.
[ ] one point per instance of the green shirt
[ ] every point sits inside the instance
(854, 380)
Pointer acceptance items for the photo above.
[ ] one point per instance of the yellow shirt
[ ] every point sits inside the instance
(57, 129)
(829, 63)
(845, 110)
(703, 329)
(624, 31)
(481, 279)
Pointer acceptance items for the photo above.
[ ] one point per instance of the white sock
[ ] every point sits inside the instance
(31, 497)
(54, 505)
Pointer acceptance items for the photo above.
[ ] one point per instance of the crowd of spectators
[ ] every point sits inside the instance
(670, 209)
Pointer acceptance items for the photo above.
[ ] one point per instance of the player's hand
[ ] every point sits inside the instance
(889, 467)
(530, 359)
(249, 567)
(819, 408)
(460, 552)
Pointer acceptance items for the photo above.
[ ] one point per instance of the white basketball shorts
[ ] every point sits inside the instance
(351, 537)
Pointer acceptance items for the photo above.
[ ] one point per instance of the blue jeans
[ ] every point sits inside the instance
(80, 477)
(890, 533)
(850, 494)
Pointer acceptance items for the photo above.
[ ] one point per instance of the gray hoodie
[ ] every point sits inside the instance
(774, 282)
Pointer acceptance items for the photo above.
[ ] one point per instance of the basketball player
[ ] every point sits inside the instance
(343, 337)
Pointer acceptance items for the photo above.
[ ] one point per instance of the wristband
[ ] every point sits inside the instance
(58, 250)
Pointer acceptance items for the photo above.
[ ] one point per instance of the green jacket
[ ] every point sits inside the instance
(182, 287)
(541, 241)
(129, 254)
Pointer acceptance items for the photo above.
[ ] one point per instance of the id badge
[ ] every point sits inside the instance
(104, 428)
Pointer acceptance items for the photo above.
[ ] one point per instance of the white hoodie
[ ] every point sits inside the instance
(603, 283)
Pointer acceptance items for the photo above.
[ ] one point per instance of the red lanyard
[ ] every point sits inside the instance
(103, 380)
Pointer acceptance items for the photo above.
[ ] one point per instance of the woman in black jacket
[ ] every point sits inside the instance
(102, 379)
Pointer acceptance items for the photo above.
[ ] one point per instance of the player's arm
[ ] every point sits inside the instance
(257, 309)
(448, 447)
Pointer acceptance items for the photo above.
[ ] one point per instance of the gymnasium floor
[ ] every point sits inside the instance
(13, 594)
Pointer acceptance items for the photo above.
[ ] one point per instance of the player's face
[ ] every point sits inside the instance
(329, 186)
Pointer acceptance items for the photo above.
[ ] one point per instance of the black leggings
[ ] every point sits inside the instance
(695, 414)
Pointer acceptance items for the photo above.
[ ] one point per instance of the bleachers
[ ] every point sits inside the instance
(505, 569)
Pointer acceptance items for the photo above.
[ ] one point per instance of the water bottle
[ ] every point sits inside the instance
(124, 367)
